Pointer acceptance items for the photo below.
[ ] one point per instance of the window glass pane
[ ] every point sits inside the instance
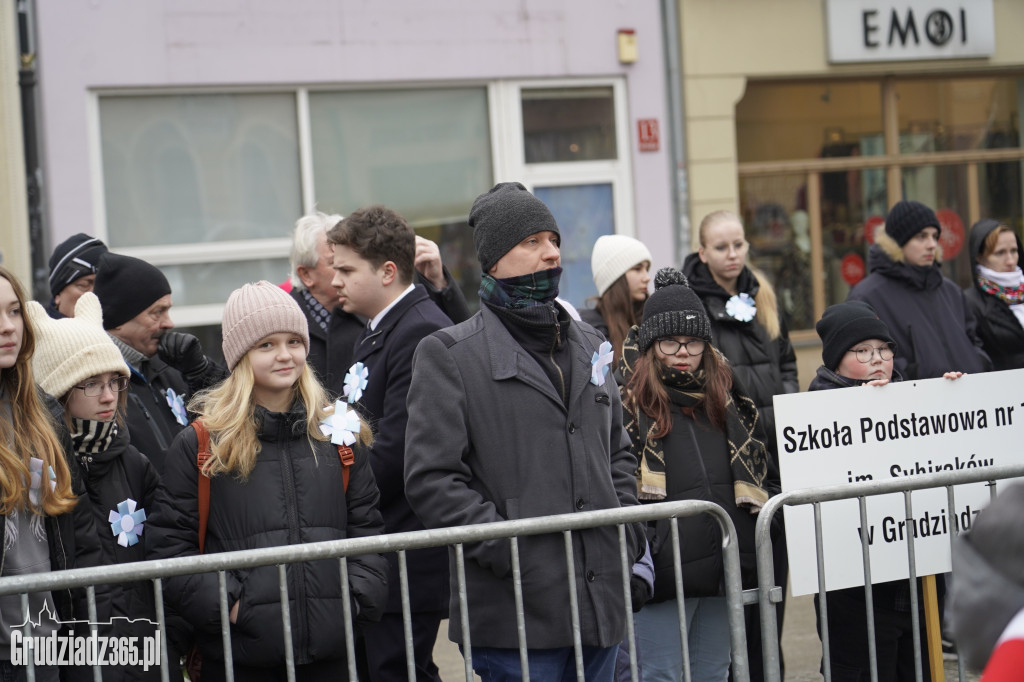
(211, 283)
(999, 189)
(199, 168)
(571, 124)
(583, 213)
(423, 153)
(780, 121)
(966, 113)
(776, 224)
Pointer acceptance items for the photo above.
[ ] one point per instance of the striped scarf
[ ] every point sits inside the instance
(91, 437)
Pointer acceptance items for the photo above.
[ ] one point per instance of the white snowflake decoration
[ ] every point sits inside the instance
(126, 522)
(355, 382)
(741, 307)
(342, 425)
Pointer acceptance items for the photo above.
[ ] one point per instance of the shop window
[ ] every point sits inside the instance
(780, 121)
(181, 169)
(423, 153)
(568, 124)
(960, 114)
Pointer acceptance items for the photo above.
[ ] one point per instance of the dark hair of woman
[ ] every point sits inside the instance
(620, 312)
(647, 390)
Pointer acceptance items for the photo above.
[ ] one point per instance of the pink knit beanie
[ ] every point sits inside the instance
(258, 310)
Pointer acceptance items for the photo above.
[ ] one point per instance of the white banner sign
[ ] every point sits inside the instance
(871, 433)
(899, 30)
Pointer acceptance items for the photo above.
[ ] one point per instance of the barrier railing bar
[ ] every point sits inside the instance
(346, 611)
(460, 575)
(869, 595)
(286, 623)
(403, 580)
(626, 565)
(574, 605)
(819, 548)
(225, 626)
(158, 594)
(517, 595)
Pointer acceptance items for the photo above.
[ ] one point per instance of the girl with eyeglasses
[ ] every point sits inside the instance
(857, 350)
(697, 437)
(43, 528)
(77, 362)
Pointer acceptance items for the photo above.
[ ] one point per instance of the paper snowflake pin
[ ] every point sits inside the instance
(741, 307)
(126, 522)
(342, 425)
(599, 363)
(355, 382)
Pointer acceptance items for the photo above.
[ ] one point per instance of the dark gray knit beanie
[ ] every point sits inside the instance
(126, 286)
(844, 325)
(505, 216)
(907, 218)
(673, 310)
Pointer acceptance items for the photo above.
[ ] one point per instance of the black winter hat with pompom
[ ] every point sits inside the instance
(673, 310)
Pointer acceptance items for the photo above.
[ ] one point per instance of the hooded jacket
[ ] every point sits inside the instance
(764, 367)
(926, 314)
(1001, 333)
(292, 496)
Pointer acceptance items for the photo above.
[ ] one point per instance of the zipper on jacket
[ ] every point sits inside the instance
(557, 343)
(157, 431)
(291, 505)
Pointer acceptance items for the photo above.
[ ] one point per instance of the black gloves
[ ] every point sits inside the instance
(639, 592)
(184, 353)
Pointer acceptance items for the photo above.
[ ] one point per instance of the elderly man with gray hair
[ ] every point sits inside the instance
(332, 331)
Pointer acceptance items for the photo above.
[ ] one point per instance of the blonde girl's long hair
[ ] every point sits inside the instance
(229, 413)
(30, 432)
(765, 300)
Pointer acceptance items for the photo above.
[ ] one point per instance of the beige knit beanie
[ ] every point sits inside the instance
(258, 310)
(613, 256)
(72, 349)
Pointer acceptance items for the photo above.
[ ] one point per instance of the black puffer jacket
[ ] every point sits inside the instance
(926, 314)
(763, 367)
(293, 496)
(113, 476)
(152, 421)
(1001, 333)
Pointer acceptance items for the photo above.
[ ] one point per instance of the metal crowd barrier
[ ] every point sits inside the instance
(454, 538)
(769, 593)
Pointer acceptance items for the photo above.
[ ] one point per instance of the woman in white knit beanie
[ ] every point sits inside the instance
(621, 268)
(77, 362)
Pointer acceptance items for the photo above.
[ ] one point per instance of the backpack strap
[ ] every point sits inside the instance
(347, 459)
(203, 481)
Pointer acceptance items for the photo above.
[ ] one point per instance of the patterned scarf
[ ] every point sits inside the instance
(748, 457)
(1007, 291)
(91, 437)
(321, 314)
(525, 291)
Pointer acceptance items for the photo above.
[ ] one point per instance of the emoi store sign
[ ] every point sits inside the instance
(880, 30)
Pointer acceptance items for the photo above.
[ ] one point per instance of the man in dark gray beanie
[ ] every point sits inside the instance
(513, 414)
(926, 313)
(166, 365)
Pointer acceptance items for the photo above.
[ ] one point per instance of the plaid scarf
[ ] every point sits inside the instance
(748, 457)
(525, 291)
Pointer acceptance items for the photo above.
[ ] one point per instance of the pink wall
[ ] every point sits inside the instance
(204, 43)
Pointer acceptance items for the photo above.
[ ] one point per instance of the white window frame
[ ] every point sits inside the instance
(506, 113)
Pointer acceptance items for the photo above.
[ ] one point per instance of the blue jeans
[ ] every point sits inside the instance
(546, 665)
(707, 629)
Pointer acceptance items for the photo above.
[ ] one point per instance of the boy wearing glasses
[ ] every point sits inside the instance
(857, 349)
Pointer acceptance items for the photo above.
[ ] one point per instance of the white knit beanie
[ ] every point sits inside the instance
(72, 349)
(613, 256)
(258, 310)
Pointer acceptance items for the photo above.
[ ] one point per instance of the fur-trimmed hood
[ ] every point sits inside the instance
(893, 250)
(886, 259)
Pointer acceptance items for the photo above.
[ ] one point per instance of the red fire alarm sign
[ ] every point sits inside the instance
(648, 134)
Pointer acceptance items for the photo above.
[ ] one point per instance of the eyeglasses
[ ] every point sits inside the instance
(669, 346)
(865, 353)
(95, 388)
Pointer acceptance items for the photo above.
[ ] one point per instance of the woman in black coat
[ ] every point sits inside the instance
(697, 438)
(997, 297)
(275, 479)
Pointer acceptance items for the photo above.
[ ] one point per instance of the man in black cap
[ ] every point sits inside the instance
(514, 414)
(165, 365)
(73, 272)
(926, 313)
